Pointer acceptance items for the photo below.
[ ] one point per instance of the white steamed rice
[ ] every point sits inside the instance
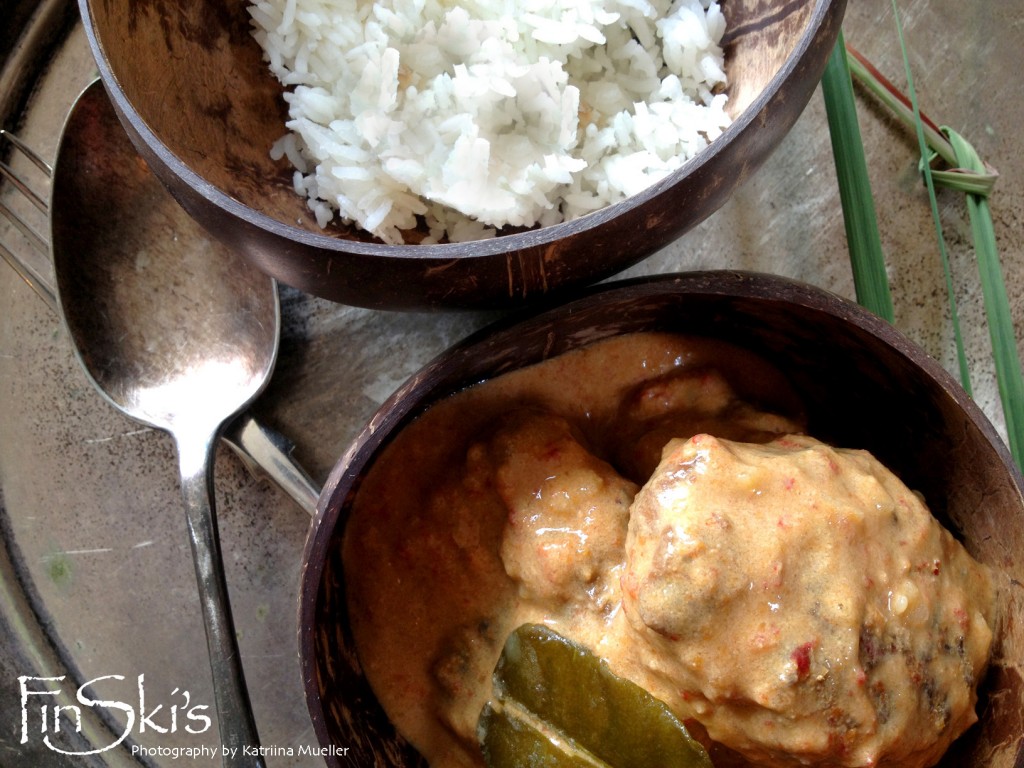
(484, 115)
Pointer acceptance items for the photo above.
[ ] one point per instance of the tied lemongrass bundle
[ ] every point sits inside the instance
(964, 171)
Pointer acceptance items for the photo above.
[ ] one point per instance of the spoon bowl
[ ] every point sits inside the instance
(178, 338)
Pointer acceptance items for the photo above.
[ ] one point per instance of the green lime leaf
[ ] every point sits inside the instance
(556, 705)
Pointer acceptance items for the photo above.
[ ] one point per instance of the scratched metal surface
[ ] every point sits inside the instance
(98, 580)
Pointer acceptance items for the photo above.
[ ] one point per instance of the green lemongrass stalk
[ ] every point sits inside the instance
(997, 304)
(967, 173)
(889, 94)
(970, 180)
(965, 375)
(871, 282)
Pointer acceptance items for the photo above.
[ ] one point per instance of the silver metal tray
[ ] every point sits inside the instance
(96, 584)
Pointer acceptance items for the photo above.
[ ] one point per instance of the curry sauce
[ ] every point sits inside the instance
(653, 498)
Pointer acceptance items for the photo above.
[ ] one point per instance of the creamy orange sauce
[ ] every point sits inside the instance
(797, 601)
(856, 627)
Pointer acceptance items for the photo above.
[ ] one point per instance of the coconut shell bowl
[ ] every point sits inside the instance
(862, 384)
(190, 85)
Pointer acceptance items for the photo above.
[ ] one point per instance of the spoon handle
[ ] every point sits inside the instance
(263, 450)
(234, 713)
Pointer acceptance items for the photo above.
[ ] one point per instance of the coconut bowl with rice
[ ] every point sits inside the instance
(205, 92)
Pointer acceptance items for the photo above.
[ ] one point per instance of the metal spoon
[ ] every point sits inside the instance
(264, 452)
(179, 338)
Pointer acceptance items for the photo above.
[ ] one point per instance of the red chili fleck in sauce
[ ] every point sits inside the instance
(802, 656)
